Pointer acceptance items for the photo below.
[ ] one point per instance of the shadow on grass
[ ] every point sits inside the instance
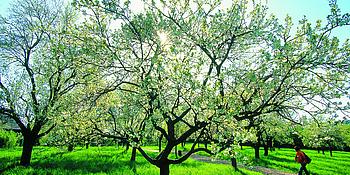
(16, 160)
(268, 163)
(103, 163)
(280, 159)
(241, 172)
(9, 167)
(53, 161)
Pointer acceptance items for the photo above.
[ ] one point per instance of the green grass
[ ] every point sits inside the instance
(101, 160)
(283, 160)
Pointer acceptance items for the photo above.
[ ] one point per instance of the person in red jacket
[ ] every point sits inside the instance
(300, 158)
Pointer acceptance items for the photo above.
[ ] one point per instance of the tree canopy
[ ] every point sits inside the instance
(178, 70)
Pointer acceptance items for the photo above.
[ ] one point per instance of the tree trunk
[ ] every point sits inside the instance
(234, 163)
(330, 151)
(322, 150)
(86, 145)
(133, 159)
(270, 144)
(164, 169)
(206, 145)
(160, 143)
(28, 144)
(133, 154)
(256, 149)
(266, 150)
(318, 149)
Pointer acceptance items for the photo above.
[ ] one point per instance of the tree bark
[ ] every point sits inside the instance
(256, 149)
(266, 150)
(160, 143)
(270, 144)
(133, 154)
(164, 169)
(330, 151)
(322, 150)
(234, 163)
(133, 159)
(28, 144)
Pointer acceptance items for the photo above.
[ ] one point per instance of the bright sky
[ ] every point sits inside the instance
(312, 9)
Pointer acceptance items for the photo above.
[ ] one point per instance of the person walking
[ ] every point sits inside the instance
(301, 158)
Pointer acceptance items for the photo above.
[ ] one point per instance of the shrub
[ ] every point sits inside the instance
(8, 139)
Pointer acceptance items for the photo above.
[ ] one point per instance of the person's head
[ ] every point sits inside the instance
(297, 148)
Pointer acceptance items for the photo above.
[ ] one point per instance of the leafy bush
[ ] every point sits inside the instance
(8, 139)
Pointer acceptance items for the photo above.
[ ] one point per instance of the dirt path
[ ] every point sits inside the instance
(253, 168)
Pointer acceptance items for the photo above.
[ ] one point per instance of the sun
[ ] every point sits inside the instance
(163, 37)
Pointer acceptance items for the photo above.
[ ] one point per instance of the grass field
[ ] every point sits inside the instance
(283, 160)
(101, 160)
(110, 160)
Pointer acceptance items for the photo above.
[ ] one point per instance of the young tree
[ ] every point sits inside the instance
(37, 66)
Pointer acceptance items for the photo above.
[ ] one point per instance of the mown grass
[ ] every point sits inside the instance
(283, 160)
(101, 160)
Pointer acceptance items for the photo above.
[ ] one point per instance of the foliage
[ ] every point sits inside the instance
(344, 133)
(323, 133)
(38, 61)
(8, 139)
(183, 71)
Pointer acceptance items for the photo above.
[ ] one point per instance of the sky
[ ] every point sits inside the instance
(312, 9)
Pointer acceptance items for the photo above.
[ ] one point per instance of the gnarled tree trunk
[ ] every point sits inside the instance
(164, 169)
(133, 154)
(234, 163)
(28, 144)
